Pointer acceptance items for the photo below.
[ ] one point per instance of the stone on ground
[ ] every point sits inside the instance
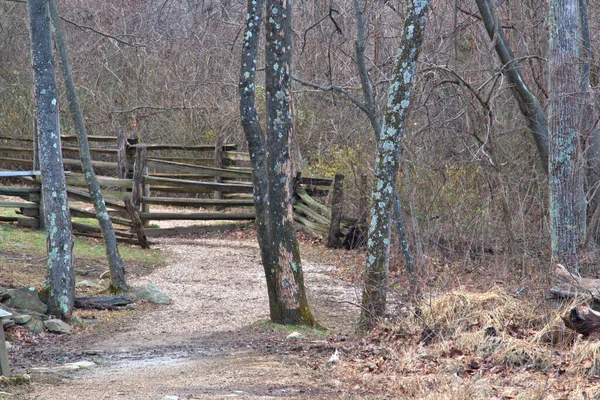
(57, 326)
(35, 325)
(152, 294)
(22, 319)
(295, 336)
(25, 299)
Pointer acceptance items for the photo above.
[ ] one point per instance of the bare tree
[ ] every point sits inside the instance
(59, 237)
(271, 163)
(566, 104)
(115, 263)
(386, 169)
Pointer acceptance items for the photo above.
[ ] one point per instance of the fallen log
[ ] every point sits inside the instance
(583, 320)
(103, 303)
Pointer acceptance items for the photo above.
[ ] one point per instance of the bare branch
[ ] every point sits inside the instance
(334, 88)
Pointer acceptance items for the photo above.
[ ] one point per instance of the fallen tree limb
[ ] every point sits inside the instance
(103, 303)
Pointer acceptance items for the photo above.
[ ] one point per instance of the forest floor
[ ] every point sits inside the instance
(472, 336)
(212, 342)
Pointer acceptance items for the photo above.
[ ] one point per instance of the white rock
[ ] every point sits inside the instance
(295, 336)
(87, 283)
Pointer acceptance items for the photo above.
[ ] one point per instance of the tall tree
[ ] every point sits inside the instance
(528, 104)
(57, 219)
(115, 263)
(271, 163)
(387, 160)
(567, 88)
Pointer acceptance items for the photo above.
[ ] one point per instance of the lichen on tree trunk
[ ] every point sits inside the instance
(386, 169)
(566, 104)
(271, 163)
(57, 219)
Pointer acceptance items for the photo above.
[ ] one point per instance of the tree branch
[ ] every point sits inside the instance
(334, 88)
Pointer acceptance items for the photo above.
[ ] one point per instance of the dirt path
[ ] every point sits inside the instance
(212, 342)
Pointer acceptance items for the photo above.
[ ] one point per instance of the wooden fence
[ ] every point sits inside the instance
(213, 176)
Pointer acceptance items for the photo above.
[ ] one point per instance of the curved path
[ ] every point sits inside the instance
(212, 342)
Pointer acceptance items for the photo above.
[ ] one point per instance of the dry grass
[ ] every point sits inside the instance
(530, 354)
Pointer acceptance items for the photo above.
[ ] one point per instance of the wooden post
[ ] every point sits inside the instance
(218, 164)
(333, 239)
(138, 227)
(139, 169)
(122, 168)
(363, 203)
(4, 368)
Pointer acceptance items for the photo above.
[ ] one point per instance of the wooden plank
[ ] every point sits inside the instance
(333, 237)
(206, 162)
(76, 179)
(175, 189)
(312, 203)
(95, 164)
(307, 211)
(79, 213)
(84, 196)
(202, 147)
(211, 186)
(4, 368)
(183, 202)
(86, 228)
(195, 169)
(15, 150)
(186, 230)
(17, 161)
(316, 181)
(92, 138)
(236, 156)
(14, 174)
(8, 219)
(18, 191)
(92, 150)
(197, 216)
(314, 227)
(28, 223)
(9, 204)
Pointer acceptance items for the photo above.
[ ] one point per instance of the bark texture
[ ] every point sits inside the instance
(528, 104)
(271, 163)
(57, 220)
(566, 105)
(388, 152)
(115, 263)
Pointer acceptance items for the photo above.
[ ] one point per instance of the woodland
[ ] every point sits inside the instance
(467, 133)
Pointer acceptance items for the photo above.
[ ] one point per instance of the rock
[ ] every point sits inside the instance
(171, 398)
(22, 319)
(9, 346)
(26, 299)
(4, 293)
(88, 284)
(66, 367)
(35, 325)
(295, 336)
(152, 294)
(7, 322)
(335, 383)
(57, 326)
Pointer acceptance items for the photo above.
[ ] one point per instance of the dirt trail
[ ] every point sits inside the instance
(209, 343)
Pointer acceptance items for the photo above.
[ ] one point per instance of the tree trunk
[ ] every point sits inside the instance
(388, 153)
(566, 104)
(528, 104)
(271, 164)
(115, 263)
(57, 220)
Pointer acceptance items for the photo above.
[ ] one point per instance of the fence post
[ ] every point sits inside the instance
(363, 202)
(136, 222)
(122, 168)
(218, 164)
(333, 238)
(139, 169)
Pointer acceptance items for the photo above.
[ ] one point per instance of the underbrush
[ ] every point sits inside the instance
(467, 345)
